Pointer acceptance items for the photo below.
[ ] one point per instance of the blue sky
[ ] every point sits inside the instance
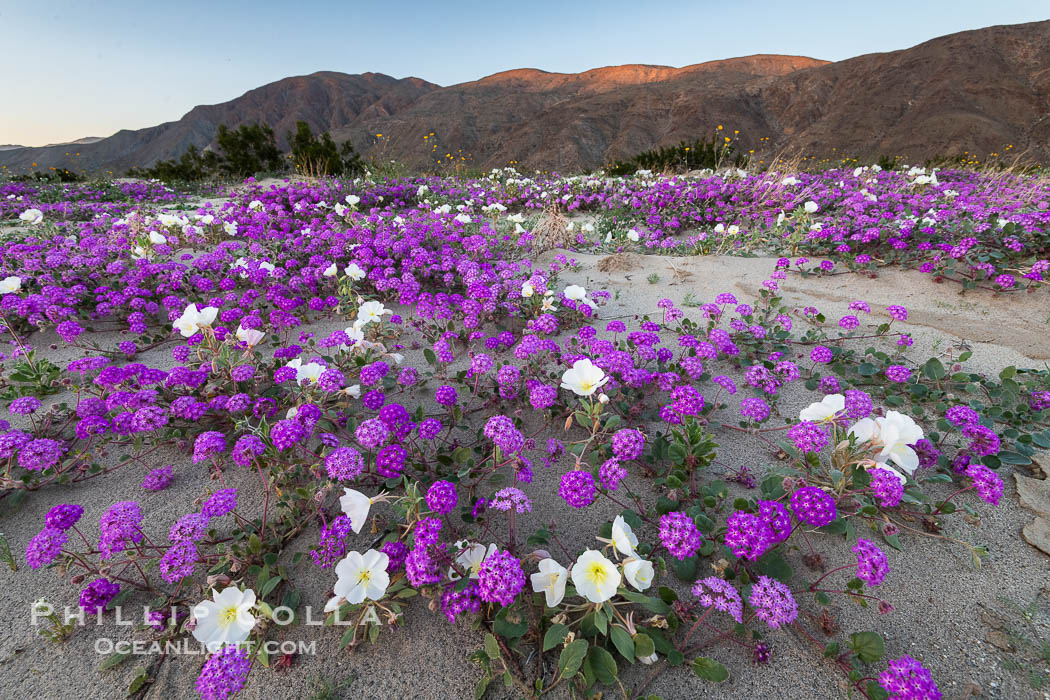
(74, 69)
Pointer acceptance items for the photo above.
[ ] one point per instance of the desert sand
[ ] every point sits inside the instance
(956, 618)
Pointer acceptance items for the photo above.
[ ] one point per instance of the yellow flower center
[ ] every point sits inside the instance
(364, 576)
(597, 573)
(227, 616)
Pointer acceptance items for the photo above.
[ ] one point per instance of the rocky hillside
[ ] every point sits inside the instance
(975, 91)
(326, 100)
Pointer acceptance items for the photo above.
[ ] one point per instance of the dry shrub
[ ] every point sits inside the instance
(552, 230)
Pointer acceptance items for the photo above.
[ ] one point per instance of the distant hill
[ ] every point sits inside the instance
(78, 142)
(975, 91)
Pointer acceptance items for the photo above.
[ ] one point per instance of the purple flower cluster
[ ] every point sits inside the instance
(906, 679)
(372, 433)
(813, 506)
(64, 516)
(457, 602)
(988, 484)
(773, 602)
(207, 445)
(808, 436)
(749, 536)
(500, 578)
(45, 547)
(628, 444)
(442, 497)
(872, 566)
(820, 354)
(220, 503)
(224, 673)
(858, 404)
(610, 474)
(179, 561)
(721, 595)
(577, 488)
(887, 487)
(898, 373)
(679, 535)
(332, 544)
(755, 409)
(501, 430)
(97, 594)
(120, 525)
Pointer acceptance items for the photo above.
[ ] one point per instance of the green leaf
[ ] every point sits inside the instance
(601, 621)
(348, 637)
(507, 627)
(1008, 373)
(5, 553)
(643, 646)
(119, 599)
(268, 587)
(868, 646)
(686, 568)
(876, 691)
(572, 658)
(775, 566)
(621, 639)
(709, 669)
(114, 660)
(603, 664)
(1008, 457)
(554, 636)
(653, 605)
(491, 646)
(934, 369)
(481, 687)
(137, 682)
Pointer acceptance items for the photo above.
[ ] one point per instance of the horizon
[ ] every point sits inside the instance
(79, 87)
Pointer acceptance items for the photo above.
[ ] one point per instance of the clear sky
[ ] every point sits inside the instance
(88, 68)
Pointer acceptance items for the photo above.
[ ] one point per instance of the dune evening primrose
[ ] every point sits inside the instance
(225, 619)
(362, 576)
(595, 577)
(192, 320)
(584, 378)
(550, 580)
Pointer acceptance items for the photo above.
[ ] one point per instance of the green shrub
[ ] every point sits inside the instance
(54, 176)
(317, 157)
(249, 149)
(697, 155)
(193, 165)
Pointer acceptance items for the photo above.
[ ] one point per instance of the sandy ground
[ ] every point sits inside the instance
(945, 613)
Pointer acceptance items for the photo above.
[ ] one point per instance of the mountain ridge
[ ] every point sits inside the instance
(976, 91)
